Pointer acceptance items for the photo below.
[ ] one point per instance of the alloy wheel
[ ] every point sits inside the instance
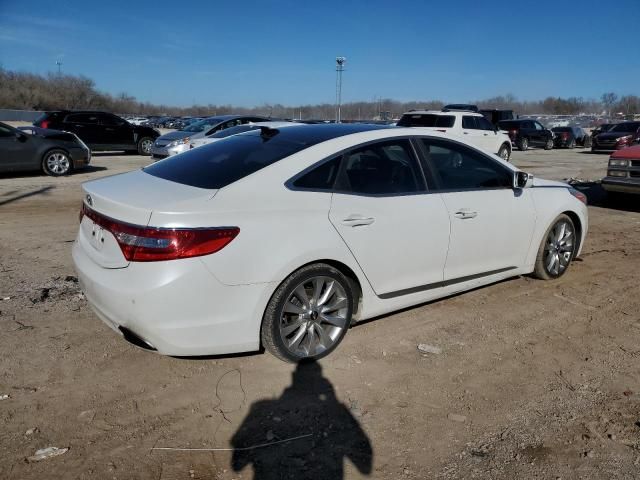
(58, 163)
(559, 248)
(146, 145)
(314, 316)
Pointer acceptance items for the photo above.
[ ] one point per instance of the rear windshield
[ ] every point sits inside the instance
(626, 127)
(561, 129)
(218, 164)
(426, 120)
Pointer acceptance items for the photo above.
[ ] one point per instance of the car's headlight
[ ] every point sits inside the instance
(617, 173)
(626, 138)
(181, 141)
(616, 162)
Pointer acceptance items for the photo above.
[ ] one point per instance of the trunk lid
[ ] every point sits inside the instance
(132, 198)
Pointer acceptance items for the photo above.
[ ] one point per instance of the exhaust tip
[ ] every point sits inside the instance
(136, 340)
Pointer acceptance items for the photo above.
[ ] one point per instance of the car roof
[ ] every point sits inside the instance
(313, 134)
(440, 112)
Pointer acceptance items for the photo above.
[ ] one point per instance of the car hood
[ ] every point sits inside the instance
(178, 134)
(629, 153)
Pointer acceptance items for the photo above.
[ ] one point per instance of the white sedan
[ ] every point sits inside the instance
(283, 238)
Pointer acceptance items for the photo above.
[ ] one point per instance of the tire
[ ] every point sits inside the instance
(572, 144)
(523, 144)
(587, 142)
(144, 146)
(549, 144)
(56, 163)
(308, 314)
(504, 152)
(556, 250)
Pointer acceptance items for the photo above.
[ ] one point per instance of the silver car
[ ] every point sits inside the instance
(179, 141)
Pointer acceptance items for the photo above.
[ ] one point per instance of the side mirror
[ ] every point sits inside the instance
(522, 179)
(21, 137)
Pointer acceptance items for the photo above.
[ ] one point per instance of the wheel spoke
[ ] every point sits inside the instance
(334, 320)
(560, 233)
(301, 293)
(293, 308)
(318, 283)
(325, 340)
(313, 341)
(331, 287)
(297, 338)
(292, 327)
(336, 304)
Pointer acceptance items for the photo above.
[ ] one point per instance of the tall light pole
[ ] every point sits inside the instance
(340, 61)
(59, 64)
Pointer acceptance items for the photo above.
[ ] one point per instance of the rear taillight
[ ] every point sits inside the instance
(150, 244)
(579, 195)
(512, 133)
(44, 124)
(565, 136)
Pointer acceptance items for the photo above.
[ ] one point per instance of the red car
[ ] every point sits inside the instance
(623, 173)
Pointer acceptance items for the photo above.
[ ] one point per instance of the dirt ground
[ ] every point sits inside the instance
(534, 380)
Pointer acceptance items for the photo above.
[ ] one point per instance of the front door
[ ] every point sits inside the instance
(491, 222)
(116, 132)
(85, 126)
(396, 230)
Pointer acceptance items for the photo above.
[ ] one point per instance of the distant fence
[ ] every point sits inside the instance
(18, 115)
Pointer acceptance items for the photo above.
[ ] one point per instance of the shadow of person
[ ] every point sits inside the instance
(307, 407)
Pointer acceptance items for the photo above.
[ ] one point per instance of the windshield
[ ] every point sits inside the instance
(203, 125)
(630, 127)
(227, 132)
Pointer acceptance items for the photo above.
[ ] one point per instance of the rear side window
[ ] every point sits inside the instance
(426, 120)
(469, 123)
(484, 124)
(383, 168)
(320, 178)
(82, 118)
(218, 164)
(458, 167)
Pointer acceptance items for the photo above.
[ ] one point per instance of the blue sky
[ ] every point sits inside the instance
(249, 52)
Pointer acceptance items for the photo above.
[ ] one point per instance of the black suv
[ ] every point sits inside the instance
(101, 130)
(525, 133)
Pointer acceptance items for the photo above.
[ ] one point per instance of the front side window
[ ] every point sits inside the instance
(457, 167)
(383, 168)
(538, 126)
(111, 120)
(484, 124)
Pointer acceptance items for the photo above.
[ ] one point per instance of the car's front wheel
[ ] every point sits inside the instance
(557, 249)
(549, 144)
(56, 163)
(309, 314)
(144, 146)
(504, 152)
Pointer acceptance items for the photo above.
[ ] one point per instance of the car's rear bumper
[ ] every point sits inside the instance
(627, 185)
(80, 157)
(177, 307)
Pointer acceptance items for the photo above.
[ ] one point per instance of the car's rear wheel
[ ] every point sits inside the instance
(523, 144)
(572, 143)
(557, 249)
(309, 314)
(504, 152)
(56, 163)
(549, 144)
(144, 145)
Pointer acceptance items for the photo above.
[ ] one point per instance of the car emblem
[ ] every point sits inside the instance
(89, 200)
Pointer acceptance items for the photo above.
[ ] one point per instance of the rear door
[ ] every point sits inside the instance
(15, 154)
(491, 223)
(397, 231)
(115, 132)
(84, 125)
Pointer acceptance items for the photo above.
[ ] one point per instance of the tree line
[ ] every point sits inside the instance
(28, 91)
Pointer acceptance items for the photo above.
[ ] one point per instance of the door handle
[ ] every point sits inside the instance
(464, 214)
(356, 221)
(465, 133)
